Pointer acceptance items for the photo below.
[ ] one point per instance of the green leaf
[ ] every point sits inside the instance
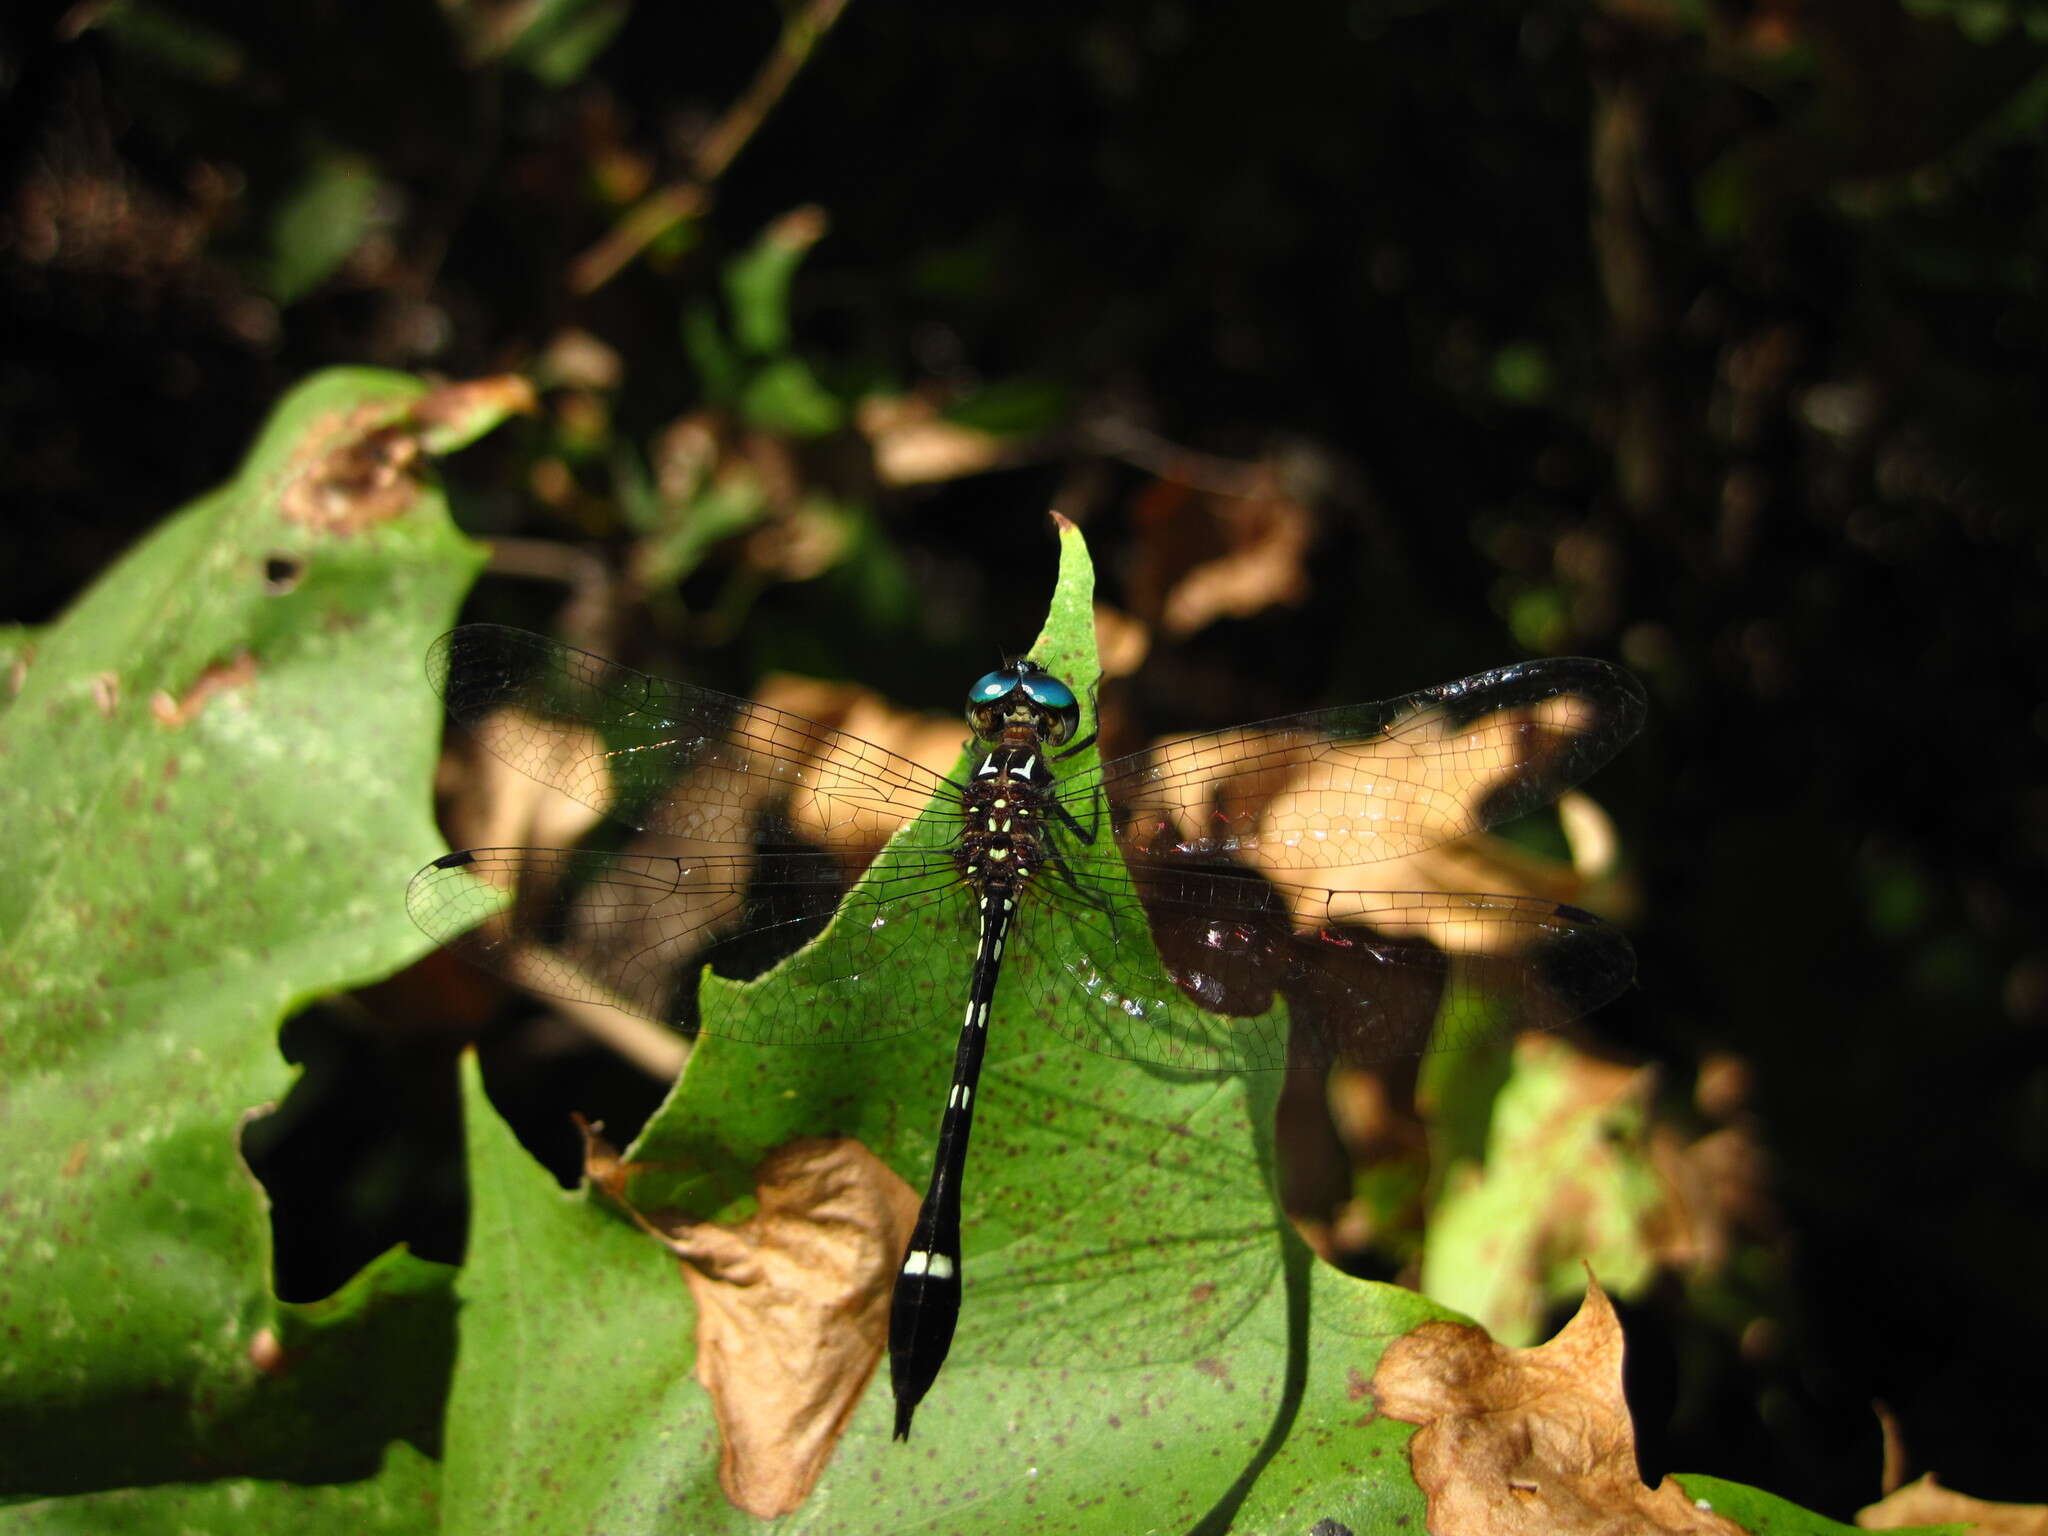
(757, 284)
(1012, 408)
(1564, 1180)
(785, 396)
(216, 783)
(17, 645)
(717, 365)
(675, 546)
(317, 225)
(1134, 1296)
(575, 1357)
(400, 1499)
(1765, 1514)
(1521, 373)
(556, 41)
(173, 42)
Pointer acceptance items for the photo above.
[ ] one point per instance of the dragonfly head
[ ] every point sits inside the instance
(1022, 693)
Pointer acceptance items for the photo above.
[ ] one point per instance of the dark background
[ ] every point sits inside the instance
(1708, 337)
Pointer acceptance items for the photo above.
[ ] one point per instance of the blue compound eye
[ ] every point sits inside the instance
(1048, 705)
(1045, 689)
(993, 687)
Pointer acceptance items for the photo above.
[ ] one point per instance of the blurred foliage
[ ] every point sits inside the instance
(1703, 334)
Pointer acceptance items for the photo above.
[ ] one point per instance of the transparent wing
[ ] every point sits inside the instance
(1366, 782)
(1368, 976)
(635, 930)
(665, 756)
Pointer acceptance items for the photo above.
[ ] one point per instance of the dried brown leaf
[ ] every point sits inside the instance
(452, 415)
(1122, 641)
(1926, 1502)
(1205, 555)
(1716, 1192)
(914, 445)
(793, 1311)
(1536, 1441)
(576, 359)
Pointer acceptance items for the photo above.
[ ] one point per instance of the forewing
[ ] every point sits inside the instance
(669, 757)
(635, 930)
(1366, 782)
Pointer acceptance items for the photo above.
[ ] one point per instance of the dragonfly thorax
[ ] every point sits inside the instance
(1002, 809)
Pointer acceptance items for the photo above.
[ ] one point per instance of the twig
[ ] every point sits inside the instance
(591, 608)
(662, 210)
(1134, 445)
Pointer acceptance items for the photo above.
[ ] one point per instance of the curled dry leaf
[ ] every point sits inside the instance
(1529, 1442)
(1716, 1192)
(455, 415)
(914, 445)
(793, 1311)
(1926, 1502)
(1206, 555)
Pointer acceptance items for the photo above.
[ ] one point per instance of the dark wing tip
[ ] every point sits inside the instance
(454, 860)
(1589, 962)
(1618, 691)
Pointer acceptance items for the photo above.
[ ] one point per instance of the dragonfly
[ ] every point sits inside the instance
(1147, 895)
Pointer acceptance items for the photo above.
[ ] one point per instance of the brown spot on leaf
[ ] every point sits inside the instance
(1928, 1503)
(359, 468)
(218, 678)
(74, 1160)
(793, 1312)
(1536, 1441)
(106, 693)
(266, 1353)
(363, 475)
